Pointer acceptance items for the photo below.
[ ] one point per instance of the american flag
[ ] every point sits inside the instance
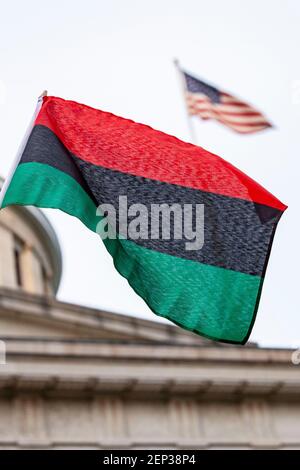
(208, 102)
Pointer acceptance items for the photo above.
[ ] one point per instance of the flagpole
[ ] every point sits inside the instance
(21, 148)
(184, 90)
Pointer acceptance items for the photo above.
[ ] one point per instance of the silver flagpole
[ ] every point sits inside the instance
(184, 90)
(21, 148)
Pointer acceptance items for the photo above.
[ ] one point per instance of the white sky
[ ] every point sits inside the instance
(117, 56)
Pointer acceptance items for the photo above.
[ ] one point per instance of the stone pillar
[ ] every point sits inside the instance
(185, 424)
(108, 415)
(7, 265)
(30, 419)
(258, 419)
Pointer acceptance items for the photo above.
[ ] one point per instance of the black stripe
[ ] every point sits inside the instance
(44, 147)
(237, 232)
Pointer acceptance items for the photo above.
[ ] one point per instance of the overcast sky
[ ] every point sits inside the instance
(117, 56)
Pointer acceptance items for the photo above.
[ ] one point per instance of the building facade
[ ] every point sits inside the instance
(76, 377)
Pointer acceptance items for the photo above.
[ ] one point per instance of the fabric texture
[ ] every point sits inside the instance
(78, 157)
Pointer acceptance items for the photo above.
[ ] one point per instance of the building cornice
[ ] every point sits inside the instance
(52, 385)
(91, 322)
(81, 368)
(139, 350)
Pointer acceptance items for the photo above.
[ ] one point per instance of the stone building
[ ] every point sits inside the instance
(77, 377)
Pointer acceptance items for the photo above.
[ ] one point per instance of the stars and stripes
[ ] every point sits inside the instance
(208, 102)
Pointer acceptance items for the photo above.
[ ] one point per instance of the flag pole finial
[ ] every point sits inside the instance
(44, 93)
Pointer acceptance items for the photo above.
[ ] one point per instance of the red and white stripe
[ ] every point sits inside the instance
(231, 112)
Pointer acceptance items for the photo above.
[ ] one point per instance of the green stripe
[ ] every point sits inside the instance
(211, 301)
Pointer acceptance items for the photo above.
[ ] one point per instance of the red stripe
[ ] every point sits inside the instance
(113, 142)
(242, 114)
(228, 114)
(240, 110)
(232, 102)
(225, 119)
(244, 129)
(239, 104)
(230, 122)
(225, 116)
(198, 99)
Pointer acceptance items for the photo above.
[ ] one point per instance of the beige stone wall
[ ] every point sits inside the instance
(7, 270)
(83, 378)
(31, 421)
(32, 256)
